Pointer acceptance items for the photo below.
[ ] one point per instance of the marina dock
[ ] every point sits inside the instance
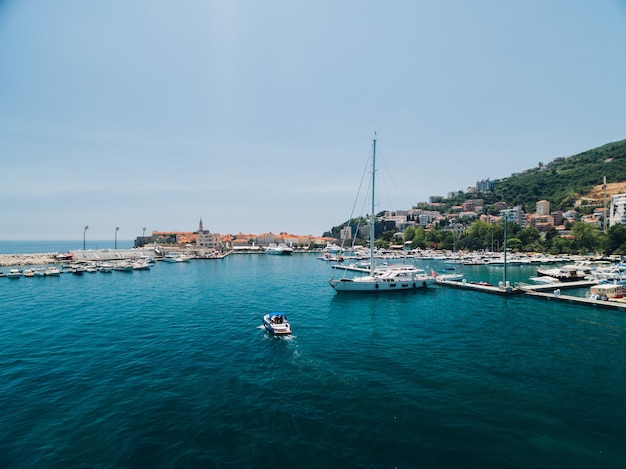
(545, 292)
(481, 287)
(556, 296)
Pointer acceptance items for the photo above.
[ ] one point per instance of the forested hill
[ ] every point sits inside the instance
(564, 180)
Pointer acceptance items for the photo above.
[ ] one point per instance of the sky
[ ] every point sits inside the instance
(258, 116)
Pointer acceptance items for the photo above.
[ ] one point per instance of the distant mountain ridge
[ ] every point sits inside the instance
(565, 180)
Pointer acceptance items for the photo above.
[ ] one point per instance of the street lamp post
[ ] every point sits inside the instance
(84, 232)
(116, 230)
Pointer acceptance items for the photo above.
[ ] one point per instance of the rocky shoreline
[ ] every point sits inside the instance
(28, 259)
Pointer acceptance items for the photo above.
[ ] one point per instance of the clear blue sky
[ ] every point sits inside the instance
(258, 115)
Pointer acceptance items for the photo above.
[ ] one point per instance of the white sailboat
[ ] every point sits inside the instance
(385, 278)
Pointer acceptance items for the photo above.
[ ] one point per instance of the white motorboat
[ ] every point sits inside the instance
(277, 324)
(280, 249)
(452, 276)
(52, 271)
(123, 266)
(14, 273)
(382, 278)
(106, 267)
(175, 257)
(567, 273)
(545, 280)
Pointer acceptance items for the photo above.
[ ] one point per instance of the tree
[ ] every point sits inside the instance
(529, 235)
(514, 244)
(409, 233)
(419, 240)
(471, 243)
(616, 240)
(433, 238)
(586, 237)
(561, 246)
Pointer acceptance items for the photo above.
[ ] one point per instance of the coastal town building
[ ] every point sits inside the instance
(542, 207)
(485, 185)
(346, 232)
(570, 216)
(541, 222)
(174, 237)
(558, 217)
(594, 218)
(499, 206)
(515, 214)
(208, 240)
(473, 205)
(618, 209)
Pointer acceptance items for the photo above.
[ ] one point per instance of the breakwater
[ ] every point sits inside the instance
(28, 259)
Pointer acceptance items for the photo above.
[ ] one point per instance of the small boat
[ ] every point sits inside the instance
(280, 249)
(14, 273)
(106, 267)
(452, 277)
(277, 324)
(141, 264)
(52, 271)
(175, 257)
(123, 266)
(545, 280)
(29, 273)
(568, 273)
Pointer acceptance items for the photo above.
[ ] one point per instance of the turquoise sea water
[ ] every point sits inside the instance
(171, 368)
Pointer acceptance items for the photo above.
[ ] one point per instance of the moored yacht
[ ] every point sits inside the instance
(382, 278)
(174, 257)
(280, 249)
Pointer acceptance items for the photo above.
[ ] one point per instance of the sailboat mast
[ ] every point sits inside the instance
(372, 217)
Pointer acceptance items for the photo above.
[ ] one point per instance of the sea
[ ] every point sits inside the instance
(171, 367)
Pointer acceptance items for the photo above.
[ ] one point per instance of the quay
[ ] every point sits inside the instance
(482, 287)
(556, 296)
(516, 289)
(546, 292)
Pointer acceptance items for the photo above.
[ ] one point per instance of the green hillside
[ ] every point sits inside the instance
(565, 179)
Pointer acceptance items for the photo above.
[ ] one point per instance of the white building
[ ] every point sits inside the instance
(209, 240)
(515, 214)
(618, 209)
(543, 207)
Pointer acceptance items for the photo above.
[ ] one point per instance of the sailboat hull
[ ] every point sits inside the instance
(370, 284)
